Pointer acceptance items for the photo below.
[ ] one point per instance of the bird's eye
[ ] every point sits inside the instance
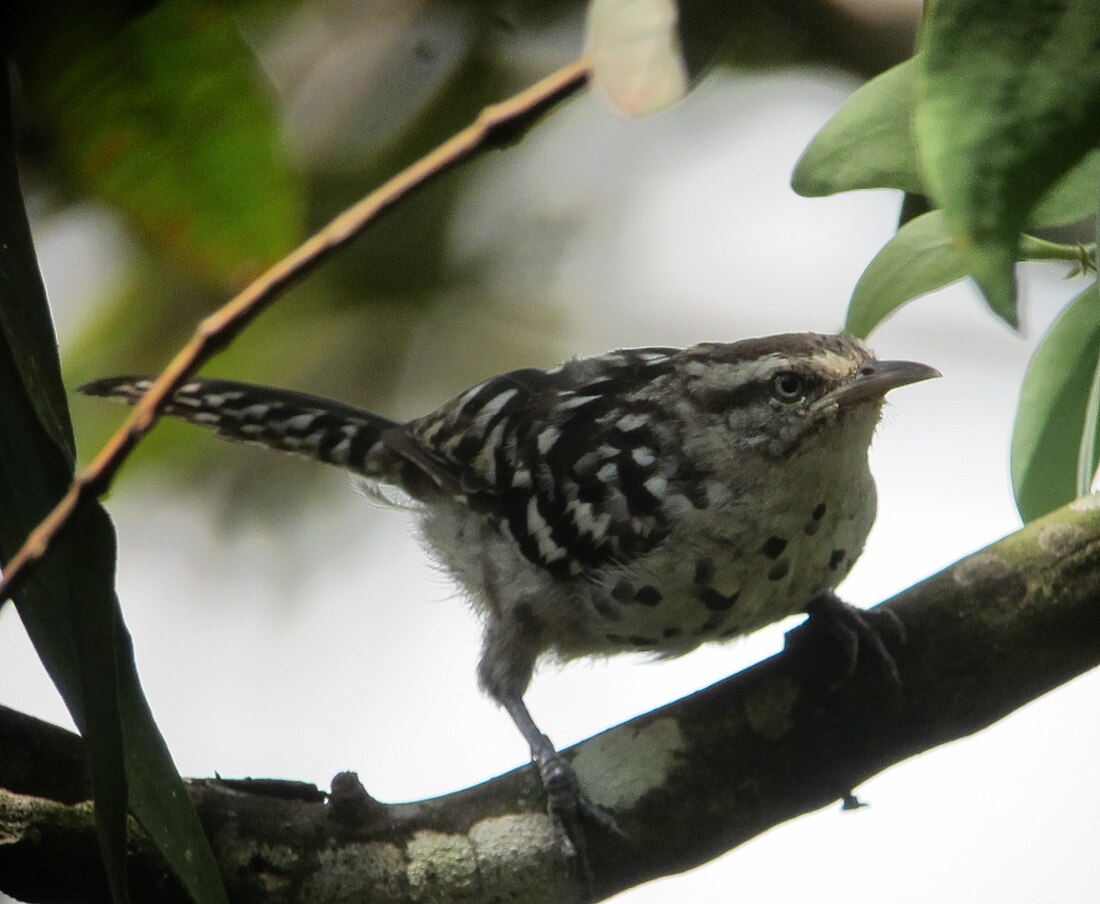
(788, 387)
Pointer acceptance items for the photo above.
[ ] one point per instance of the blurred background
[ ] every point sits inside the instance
(285, 625)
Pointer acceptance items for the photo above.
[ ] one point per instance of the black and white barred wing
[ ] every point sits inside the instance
(280, 419)
(562, 460)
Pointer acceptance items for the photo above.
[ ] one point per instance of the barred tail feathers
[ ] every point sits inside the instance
(292, 422)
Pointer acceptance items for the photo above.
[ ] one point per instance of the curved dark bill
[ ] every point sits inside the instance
(876, 379)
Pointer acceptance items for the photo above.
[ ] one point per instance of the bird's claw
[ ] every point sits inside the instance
(569, 808)
(861, 633)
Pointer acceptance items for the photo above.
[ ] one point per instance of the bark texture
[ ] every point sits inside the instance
(685, 783)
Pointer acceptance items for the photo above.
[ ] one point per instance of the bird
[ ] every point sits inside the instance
(646, 500)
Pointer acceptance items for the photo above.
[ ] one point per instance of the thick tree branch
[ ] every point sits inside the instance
(685, 782)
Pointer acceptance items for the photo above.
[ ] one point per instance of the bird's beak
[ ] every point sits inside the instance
(876, 379)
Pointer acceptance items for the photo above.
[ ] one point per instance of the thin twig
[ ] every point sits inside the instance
(498, 124)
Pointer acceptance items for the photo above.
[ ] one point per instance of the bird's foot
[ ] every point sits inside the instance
(570, 809)
(860, 633)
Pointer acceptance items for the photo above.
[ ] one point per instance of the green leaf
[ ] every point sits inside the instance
(1072, 198)
(1008, 101)
(867, 143)
(921, 258)
(67, 604)
(166, 119)
(1054, 410)
(1088, 453)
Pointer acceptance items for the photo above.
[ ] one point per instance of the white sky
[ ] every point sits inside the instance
(345, 652)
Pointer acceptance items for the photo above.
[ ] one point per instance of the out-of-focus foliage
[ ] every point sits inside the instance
(1058, 404)
(1009, 102)
(996, 121)
(923, 256)
(223, 132)
(168, 121)
(68, 604)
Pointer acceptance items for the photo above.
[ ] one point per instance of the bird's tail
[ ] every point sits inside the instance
(292, 422)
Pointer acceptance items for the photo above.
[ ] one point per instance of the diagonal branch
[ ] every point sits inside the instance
(496, 126)
(686, 782)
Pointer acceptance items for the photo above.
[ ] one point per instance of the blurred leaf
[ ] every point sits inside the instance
(867, 143)
(1072, 198)
(921, 258)
(67, 604)
(706, 28)
(646, 53)
(1008, 101)
(166, 119)
(637, 65)
(355, 83)
(1053, 412)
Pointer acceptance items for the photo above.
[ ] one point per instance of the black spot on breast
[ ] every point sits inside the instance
(623, 591)
(604, 608)
(639, 641)
(708, 626)
(698, 495)
(836, 558)
(819, 511)
(773, 547)
(714, 599)
(671, 632)
(779, 570)
(704, 570)
(648, 595)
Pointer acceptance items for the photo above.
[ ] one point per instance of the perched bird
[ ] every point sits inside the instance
(648, 499)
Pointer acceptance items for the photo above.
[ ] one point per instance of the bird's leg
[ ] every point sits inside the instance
(566, 803)
(859, 632)
(563, 794)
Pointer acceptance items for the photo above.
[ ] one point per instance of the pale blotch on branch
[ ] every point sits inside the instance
(620, 766)
(1002, 585)
(1059, 539)
(982, 568)
(509, 872)
(441, 867)
(769, 709)
(372, 871)
(1085, 504)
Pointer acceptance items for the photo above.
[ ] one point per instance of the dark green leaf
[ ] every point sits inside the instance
(1008, 101)
(1054, 410)
(166, 119)
(1072, 198)
(921, 258)
(868, 143)
(68, 604)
